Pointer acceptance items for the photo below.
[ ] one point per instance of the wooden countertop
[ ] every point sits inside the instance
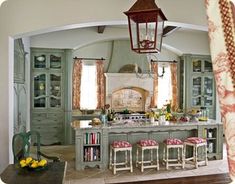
(141, 124)
(54, 174)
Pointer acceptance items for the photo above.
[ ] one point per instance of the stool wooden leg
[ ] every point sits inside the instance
(183, 157)
(196, 159)
(151, 157)
(142, 160)
(131, 160)
(110, 158)
(137, 157)
(126, 161)
(164, 155)
(167, 155)
(114, 162)
(157, 159)
(206, 160)
(194, 152)
(178, 152)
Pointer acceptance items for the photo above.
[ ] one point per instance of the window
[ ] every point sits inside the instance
(88, 87)
(164, 87)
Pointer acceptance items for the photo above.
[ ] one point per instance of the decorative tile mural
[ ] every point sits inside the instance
(127, 99)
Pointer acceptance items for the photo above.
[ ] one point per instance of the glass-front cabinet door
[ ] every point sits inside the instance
(197, 91)
(208, 91)
(201, 65)
(207, 66)
(55, 61)
(40, 61)
(47, 61)
(40, 88)
(202, 91)
(55, 90)
(196, 65)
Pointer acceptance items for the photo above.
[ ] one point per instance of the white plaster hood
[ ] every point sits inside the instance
(115, 81)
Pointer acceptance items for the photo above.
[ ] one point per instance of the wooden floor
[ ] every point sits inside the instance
(207, 179)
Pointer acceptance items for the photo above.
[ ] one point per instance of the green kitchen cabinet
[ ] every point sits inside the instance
(199, 84)
(47, 94)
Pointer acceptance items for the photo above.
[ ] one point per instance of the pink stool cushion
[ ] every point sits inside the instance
(121, 144)
(173, 141)
(147, 142)
(195, 140)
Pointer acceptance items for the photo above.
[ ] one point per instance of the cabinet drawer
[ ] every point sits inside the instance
(47, 122)
(49, 136)
(48, 128)
(39, 116)
(55, 115)
(51, 141)
(47, 118)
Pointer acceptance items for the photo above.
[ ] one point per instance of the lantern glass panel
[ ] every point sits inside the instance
(160, 27)
(133, 33)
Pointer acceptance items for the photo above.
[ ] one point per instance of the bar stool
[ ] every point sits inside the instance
(151, 145)
(120, 146)
(196, 142)
(173, 143)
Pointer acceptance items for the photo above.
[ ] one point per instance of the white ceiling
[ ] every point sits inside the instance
(189, 15)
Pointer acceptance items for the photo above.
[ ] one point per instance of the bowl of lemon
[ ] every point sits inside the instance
(33, 164)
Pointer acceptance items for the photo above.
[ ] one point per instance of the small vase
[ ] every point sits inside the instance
(103, 119)
(152, 120)
(161, 119)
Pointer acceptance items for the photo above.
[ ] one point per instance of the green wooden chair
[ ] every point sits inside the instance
(22, 144)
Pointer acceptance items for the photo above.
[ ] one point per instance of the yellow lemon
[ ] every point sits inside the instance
(22, 162)
(34, 161)
(42, 163)
(34, 165)
(28, 160)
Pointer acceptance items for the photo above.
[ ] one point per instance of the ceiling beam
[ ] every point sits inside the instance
(169, 29)
(100, 29)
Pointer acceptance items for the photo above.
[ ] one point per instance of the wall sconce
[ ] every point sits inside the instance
(146, 23)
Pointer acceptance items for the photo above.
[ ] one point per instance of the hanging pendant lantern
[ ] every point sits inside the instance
(146, 23)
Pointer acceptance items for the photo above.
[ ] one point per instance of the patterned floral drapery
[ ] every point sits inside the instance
(174, 85)
(100, 84)
(154, 67)
(222, 45)
(77, 73)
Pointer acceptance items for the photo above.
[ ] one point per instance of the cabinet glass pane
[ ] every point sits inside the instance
(40, 102)
(196, 101)
(208, 86)
(39, 85)
(40, 61)
(207, 66)
(196, 88)
(197, 65)
(208, 101)
(54, 102)
(40, 90)
(55, 62)
(55, 90)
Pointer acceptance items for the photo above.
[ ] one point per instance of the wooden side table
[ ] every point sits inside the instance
(54, 174)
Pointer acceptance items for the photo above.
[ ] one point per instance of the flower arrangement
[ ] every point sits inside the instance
(150, 114)
(33, 164)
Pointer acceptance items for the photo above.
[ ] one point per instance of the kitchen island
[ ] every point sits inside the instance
(92, 142)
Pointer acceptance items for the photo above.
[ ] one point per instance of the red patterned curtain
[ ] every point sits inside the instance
(174, 102)
(155, 84)
(100, 84)
(221, 26)
(77, 73)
